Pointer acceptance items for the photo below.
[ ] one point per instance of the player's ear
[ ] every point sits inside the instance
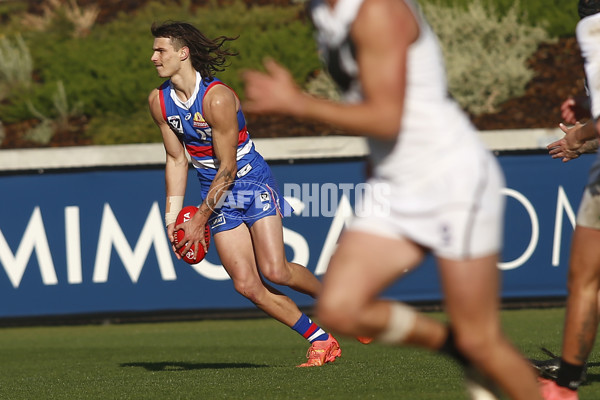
(184, 53)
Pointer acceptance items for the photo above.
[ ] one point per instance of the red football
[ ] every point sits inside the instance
(189, 257)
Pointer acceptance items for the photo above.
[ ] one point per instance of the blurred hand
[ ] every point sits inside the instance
(567, 111)
(575, 109)
(273, 91)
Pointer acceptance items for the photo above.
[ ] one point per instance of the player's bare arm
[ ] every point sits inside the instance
(176, 166)
(382, 44)
(383, 31)
(220, 106)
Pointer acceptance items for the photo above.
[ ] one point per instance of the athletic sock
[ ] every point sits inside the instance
(309, 330)
(449, 348)
(569, 375)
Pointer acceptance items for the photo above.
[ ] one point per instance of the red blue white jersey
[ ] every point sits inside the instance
(185, 118)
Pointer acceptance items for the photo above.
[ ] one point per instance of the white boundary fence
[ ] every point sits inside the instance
(294, 148)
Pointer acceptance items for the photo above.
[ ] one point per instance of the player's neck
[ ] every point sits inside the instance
(184, 83)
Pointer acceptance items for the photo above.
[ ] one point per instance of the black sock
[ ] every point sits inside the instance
(569, 375)
(449, 349)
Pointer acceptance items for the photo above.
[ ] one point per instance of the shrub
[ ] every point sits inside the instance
(10, 16)
(113, 128)
(559, 19)
(486, 53)
(63, 112)
(322, 85)
(81, 20)
(109, 74)
(109, 71)
(16, 65)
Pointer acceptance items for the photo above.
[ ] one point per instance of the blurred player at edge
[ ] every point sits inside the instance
(445, 188)
(581, 319)
(198, 113)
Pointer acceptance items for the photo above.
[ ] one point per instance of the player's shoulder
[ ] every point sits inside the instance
(155, 92)
(219, 93)
(154, 96)
(373, 13)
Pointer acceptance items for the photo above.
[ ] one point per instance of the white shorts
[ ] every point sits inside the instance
(458, 215)
(588, 38)
(588, 214)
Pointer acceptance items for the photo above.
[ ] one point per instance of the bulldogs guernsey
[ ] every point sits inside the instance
(186, 120)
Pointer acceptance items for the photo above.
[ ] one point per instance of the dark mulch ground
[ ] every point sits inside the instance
(558, 74)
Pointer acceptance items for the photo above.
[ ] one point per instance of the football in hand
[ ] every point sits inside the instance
(190, 256)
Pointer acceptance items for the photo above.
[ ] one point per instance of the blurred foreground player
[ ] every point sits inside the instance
(198, 113)
(443, 188)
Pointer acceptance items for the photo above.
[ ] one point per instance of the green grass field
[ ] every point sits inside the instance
(238, 359)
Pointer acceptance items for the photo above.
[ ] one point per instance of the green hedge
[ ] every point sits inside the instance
(107, 75)
(558, 17)
(486, 52)
(109, 72)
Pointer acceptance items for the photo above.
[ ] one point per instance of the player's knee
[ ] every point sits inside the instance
(276, 272)
(475, 345)
(249, 289)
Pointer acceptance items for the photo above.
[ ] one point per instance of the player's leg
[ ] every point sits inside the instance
(237, 256)
(236, 249)
(363, 265)
(472, 302)
(267, 236)
(581, 321)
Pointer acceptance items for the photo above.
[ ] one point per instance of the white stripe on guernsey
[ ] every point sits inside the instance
(186, 105)
(210, 162)
(315, 335)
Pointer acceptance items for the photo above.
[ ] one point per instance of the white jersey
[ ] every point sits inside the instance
(437, 156)
(588, 37)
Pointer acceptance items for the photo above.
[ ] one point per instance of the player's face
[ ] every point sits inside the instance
(165, 58)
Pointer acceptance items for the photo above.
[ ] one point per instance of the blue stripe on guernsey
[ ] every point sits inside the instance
(187, 121)
(309, 330)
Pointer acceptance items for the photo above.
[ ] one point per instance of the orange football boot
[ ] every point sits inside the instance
(551, 391)
(322, 352)
(364, 339)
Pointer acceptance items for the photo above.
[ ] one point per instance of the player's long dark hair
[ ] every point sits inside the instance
(208, 56)
(588, 7)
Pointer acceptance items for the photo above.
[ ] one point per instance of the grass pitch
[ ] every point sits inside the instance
(239, 359)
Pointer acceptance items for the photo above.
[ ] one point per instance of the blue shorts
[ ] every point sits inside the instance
(253, 196)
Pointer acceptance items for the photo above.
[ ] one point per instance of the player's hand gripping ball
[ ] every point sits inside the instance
(190, 257)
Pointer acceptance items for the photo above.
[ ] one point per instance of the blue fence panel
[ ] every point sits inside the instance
(92, 241)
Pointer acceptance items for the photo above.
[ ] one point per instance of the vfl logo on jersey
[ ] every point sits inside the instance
(199, 121)
(175, 123)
